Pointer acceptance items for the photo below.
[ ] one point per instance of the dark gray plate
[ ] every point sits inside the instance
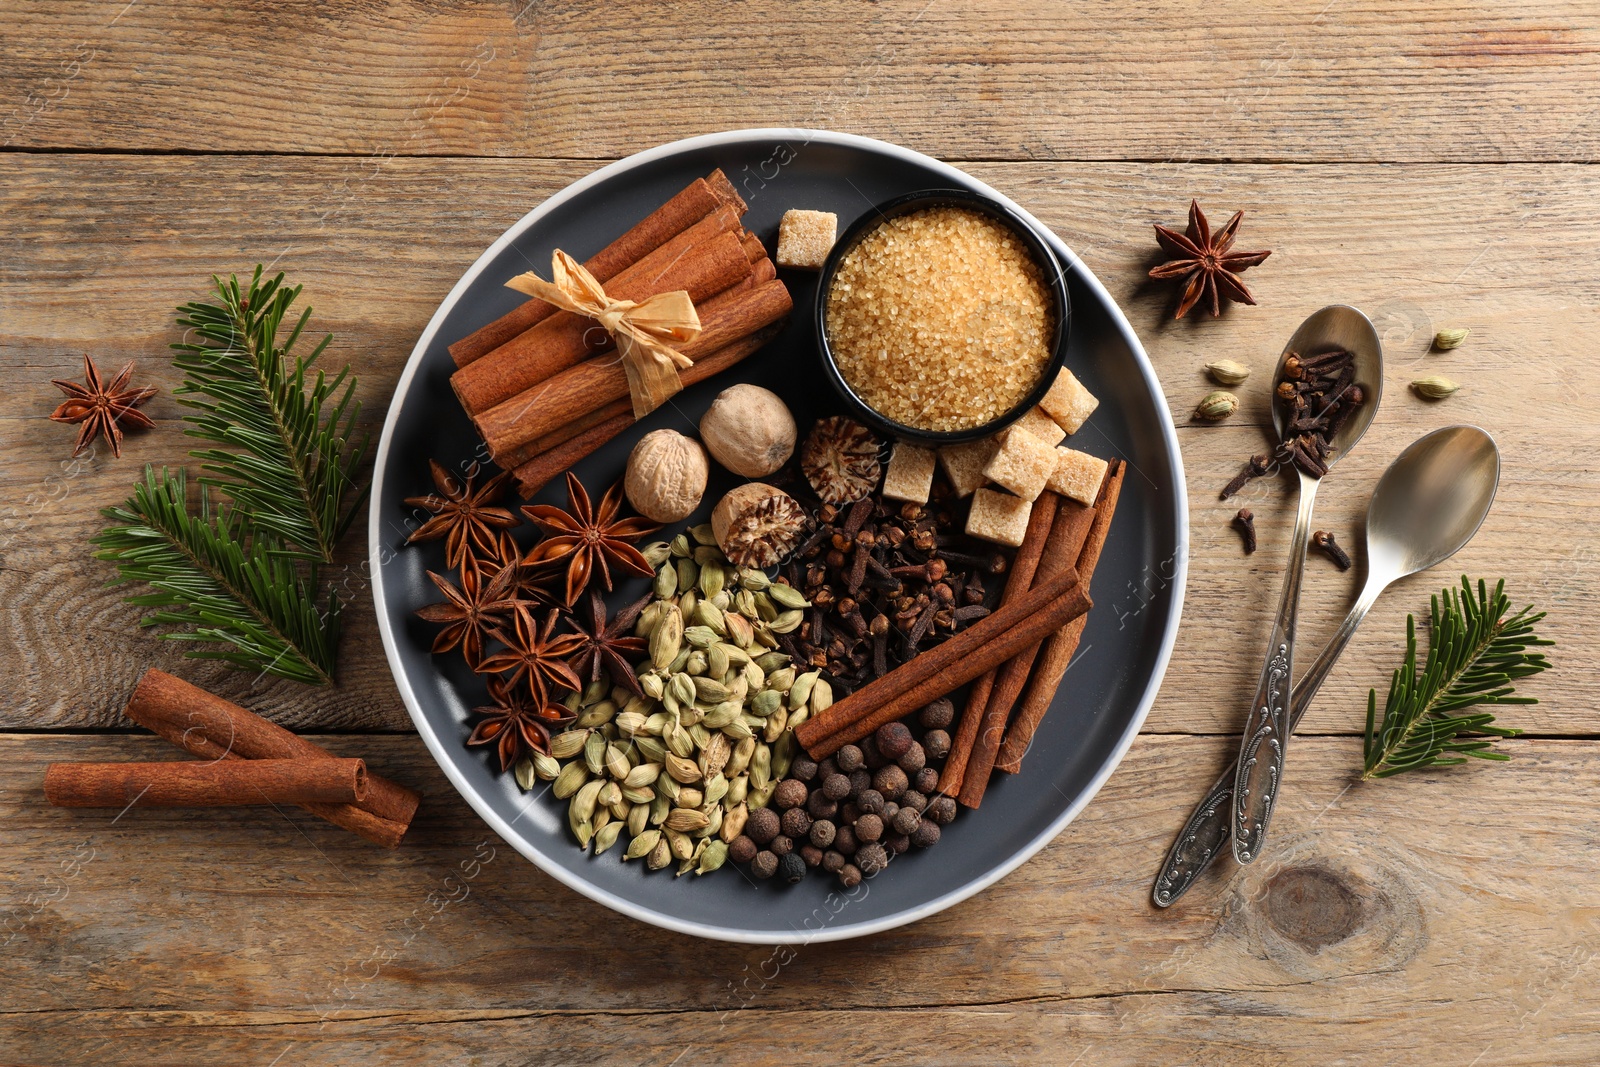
(1138, 587)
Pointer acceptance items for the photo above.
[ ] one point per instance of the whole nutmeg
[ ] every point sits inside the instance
(891, 781)
(871, 859)
(941, 810)
(762, 825)
(792, 868)
(748, 430)
(912, 759)
(938, 715)
(765, 865)
(782, 845)
(926, 835)
(869, 828)
(836, 787)
(823, 832)
(894, 739)
(849, 758)
(795, 823)
(789, 794)
(907, 820)
(936, 743)
(743, 850)
(811, 854)
(926, 781)
(870, 802)
(666, 475)
(757, 525)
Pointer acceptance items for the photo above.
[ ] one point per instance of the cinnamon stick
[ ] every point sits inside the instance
(590, 385)
(1055, 656)
(702, 269)
(1018, 581)
(1068, 530)
(212, 728)
(595, 429)
(986, 644)
(699, 199)
(212, 784)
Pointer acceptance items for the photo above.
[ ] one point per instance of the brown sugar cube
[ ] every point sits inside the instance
(963, 464)
(910, 474)
(805, 238)
(1023, 464)
(1077, 475)
(1039, 423)
(1068, 402)
(999, 517)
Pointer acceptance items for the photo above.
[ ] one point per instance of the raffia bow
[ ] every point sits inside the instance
(641, 330)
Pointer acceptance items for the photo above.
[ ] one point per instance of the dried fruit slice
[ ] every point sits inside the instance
(840, 460)
(757, 525)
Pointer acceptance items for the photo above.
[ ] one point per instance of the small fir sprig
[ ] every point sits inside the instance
(248, 603)
(1475, 654)
(288, 453)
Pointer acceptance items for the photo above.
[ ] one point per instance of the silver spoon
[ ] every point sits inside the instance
(1266, 736)
(1427, 505)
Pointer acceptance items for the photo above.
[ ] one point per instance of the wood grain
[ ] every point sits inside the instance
(1375, 925)
(1419, 247)
(1434, 80)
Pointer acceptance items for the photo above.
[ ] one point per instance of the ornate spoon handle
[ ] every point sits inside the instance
(1266, 731)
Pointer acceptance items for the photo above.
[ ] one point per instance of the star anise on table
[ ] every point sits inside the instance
(464, 514)
(471, 611)
(1205, 262)
(536, 653)
(517, 722)
(531, 583)
(589, 541)
(102, 409)
(609, 645)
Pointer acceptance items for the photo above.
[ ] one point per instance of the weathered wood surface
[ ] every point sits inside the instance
(1420, 247)
(1237, 80)
(1377, 931)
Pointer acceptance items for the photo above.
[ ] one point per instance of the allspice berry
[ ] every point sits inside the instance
(860, 780)
(926, 835)
(795, 823)
(869, 828)
(849, 876)
(894, 739)
(938, 715)
(822, 833)
(907, 820)
(942, 810)
(849, 758)
(782, 845)
(913, 800)
(871, 859)
(897, 844)
(926, 781)
(870, 801)
(762, 825)
(844, 840)
(803, 768)
(743, 850)
(792, 868)
(765, 865)
(936, 743)
(789, 794)
(836, 787)
(912, 759)
(832, 862)
(820, 807)
(891, 781)
(811, 854)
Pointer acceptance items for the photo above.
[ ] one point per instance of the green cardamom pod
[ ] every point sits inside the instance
(696, 664)
(667, 786)
(638, 817)
(781, 681)
(630, 723)
(709, 691)
(703, 535)
(787, 622)
(641, 795)
(583, 804)
(765, 703)
(753, 580)
(708, 556)
(643, 775)
(738, 789)
(658, 810)
(775, 724)
(568, 744)
(744, 602)
(800, 691)
(570, 780)
(715, 855)
(721, 715)
(641, 844)
(733, 821)
(666, 582)
(787, 596)
(688, 574)
(712, 581)
(682, 770)
(681, 546)
(524, 773)
(656, 553)
(653, 684)
(649, 617)
(1227, 372)
(821, 698)
(766, 610)
(707, 614)
(754, 677)
(713, 814)
(743, 751)
(798, 716)
(686, 820)
(606, 836)
(582, 829)
(659, 856)
(739, 729)
(678, 842)
(714, 756)
(617, 763)
(667, 640)
(1434, 387)
(594, 753)
(716, 788)
(545, 767)
(772, 662)
(1216, 405)
(717, 660)
(690, 797)
(651, 749)
(700, 637)
(783, 753)
(598, 715)
(1445, 340)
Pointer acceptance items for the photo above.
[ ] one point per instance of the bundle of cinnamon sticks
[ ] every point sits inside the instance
(243, 759)
(545, 387)
(1015, 658)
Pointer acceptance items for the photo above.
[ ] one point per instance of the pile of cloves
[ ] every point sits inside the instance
(1319, 394)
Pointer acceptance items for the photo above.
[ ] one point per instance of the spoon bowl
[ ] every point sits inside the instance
(1339, 327)
(1431, 501)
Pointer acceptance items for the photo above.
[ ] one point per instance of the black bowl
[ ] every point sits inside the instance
(1042, 255)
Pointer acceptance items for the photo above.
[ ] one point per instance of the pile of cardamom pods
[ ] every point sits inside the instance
(681, 767)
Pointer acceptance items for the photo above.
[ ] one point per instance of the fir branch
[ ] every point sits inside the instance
(289, 457)
(1475, 655)
(224, 586)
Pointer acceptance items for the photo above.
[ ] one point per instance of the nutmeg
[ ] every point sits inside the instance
(666, 476)
(757, 525)
(748, 430)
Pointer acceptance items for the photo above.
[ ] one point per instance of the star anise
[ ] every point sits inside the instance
(103, 409)
(589, 541)
(531, 583)
(516, 723)
(536, 653)
(463, 514)
(1205, 263)
(609, 645)
(471, 612)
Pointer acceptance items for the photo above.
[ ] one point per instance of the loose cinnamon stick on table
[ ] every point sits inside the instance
(213, 728)
(590, 385)
(545, 465)
(1018, 580)
(699, 199)
(206, 784)
(562, 340)
(1055, 656)
(984, 645)
(1068, 531)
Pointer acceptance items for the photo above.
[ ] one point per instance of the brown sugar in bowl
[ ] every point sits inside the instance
(942, 317)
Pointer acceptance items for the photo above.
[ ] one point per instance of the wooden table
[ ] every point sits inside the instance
(1430, 162)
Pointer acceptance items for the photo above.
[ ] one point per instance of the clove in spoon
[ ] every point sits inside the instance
(1427, 506)
(1266, 734)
